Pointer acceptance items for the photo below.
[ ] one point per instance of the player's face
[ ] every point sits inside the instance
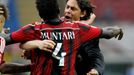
(72, 11)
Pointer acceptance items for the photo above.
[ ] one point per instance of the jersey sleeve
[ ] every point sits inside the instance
(89, 32)
(26, 33)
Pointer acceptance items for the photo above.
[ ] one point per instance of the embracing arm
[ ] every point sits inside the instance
(95, 57)
(46, 45)
(92, 60)
(99, 64)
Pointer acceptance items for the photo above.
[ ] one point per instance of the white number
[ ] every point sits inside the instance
(61, 59)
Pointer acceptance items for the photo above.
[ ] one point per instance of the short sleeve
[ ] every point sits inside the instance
(26, 33)
(89, 32)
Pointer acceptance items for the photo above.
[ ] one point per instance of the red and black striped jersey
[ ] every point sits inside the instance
(68, 36)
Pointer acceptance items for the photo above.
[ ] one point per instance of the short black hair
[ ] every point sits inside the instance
(5, 10)
(85, 5)
(48, 9)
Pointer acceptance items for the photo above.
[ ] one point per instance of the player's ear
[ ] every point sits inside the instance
(83, 14)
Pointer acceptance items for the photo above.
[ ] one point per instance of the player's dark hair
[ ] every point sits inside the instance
(85, 5)
(48, 9)
(5, 10)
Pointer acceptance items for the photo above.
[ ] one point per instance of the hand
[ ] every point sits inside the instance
(110, 32)
(6, 30)
(117, 32)
(93, 16)
(93, 72)
(90, 20)
(46, 45)
(26, 54)
(119, 35)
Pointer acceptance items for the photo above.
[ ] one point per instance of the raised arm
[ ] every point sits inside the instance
(90, 20)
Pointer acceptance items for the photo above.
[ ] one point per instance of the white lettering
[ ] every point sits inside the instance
(58, 35)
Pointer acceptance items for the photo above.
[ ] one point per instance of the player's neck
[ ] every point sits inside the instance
(54, 21)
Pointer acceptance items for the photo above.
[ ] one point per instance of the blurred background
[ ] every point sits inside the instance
(119, 57)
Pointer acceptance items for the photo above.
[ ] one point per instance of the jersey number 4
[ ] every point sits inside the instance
(63, 54)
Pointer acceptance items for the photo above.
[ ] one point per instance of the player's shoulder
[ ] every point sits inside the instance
(68, 24)
(32, 24)
(82, 25)
(76, 24)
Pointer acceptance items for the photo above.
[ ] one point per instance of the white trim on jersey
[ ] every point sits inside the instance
(2, 44)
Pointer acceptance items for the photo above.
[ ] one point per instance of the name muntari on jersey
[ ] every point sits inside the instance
(58, 35)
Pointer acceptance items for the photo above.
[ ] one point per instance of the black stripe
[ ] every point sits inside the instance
(71, 44)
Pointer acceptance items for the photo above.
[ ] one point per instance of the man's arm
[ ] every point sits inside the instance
(46, 45)
(8, 68)
(108, 32)
(99, 65)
